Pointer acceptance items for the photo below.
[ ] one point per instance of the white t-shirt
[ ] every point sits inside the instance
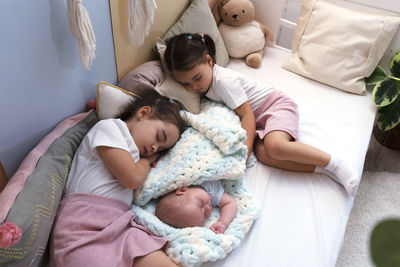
(233, 89)
(215, 190)
(89, 174)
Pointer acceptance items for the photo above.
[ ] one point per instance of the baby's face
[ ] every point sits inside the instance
(198, 207)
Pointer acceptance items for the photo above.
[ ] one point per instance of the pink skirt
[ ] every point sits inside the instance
(92, 230)
(278, 112)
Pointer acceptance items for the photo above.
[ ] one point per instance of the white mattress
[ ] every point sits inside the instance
(303, 216)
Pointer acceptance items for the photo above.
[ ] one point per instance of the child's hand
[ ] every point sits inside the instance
(218, 227)
(153, 159)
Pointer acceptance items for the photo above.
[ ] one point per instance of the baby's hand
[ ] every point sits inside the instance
(218, 227)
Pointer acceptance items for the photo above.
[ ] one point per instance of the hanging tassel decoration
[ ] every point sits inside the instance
(140, 18)
(81, 28)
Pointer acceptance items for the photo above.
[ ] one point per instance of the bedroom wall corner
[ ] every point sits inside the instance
(42, 79)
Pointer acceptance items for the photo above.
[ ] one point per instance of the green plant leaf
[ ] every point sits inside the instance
(395, 65)
(377, 76)
(385, 92)
(389, 116)
(385, 243)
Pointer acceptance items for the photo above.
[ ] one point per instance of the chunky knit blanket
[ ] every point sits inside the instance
(212, 148)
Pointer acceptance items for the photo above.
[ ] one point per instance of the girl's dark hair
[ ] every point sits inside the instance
(186, 50)
(163, 108)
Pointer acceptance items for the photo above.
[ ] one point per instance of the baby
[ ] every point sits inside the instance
(190, 206)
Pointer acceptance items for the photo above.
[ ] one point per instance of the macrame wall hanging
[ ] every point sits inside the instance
(140, 18)
(81, 28)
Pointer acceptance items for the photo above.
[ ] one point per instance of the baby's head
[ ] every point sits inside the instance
(190, 58)
(154, 122)
(185, 207)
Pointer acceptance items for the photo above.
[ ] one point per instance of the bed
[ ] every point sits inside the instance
(303, 216)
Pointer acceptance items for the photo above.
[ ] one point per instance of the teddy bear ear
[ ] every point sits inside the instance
(216, 9)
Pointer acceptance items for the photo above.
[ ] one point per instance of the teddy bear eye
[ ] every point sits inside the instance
(243, 11)
(226, 14)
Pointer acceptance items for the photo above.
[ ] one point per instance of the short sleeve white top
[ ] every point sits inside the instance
(233, 89)
(89, 174)
(215, 190)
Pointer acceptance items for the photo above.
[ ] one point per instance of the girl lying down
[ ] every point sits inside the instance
(269, 117)
(94, 225)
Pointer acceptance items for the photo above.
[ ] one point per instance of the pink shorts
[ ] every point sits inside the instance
(92, 230)
(278, 112)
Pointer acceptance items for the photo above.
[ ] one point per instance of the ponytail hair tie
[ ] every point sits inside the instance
(171, 101)
(202, 37)
(189, 37)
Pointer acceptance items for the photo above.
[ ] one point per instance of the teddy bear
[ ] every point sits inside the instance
(244, 37)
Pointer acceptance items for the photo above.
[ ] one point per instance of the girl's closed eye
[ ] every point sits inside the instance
(160, 139)
(158, 136)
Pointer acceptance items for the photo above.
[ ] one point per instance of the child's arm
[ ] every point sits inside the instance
(228, 208)
(248, 121)
(120, 163)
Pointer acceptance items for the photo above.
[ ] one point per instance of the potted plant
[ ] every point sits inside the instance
(386, 96)
(385, 237)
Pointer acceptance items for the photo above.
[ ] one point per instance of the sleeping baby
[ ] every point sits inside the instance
(190, 206)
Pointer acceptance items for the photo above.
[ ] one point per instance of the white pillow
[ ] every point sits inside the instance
(111, 100)
(170, 88)
(340, 43)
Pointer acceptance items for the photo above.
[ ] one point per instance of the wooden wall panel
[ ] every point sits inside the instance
(3, 177)
(128, 56)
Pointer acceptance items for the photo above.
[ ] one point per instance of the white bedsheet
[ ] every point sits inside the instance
(303, 216)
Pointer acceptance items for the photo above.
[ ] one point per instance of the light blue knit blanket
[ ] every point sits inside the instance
(212, 148)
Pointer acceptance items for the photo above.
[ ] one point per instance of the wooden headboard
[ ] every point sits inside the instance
(128, 56)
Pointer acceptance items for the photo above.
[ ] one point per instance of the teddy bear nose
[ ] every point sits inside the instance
(234, 16)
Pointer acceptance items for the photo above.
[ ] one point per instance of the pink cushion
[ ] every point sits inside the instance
(17, 181)
(142, 78)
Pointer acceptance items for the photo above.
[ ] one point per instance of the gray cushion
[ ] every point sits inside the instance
(36, 205)
(198, 18)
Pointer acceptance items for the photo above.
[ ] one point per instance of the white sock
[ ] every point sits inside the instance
(341, 172)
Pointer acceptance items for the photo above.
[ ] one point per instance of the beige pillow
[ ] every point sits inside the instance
(340, 43)
(111, 100)
(170, 88)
